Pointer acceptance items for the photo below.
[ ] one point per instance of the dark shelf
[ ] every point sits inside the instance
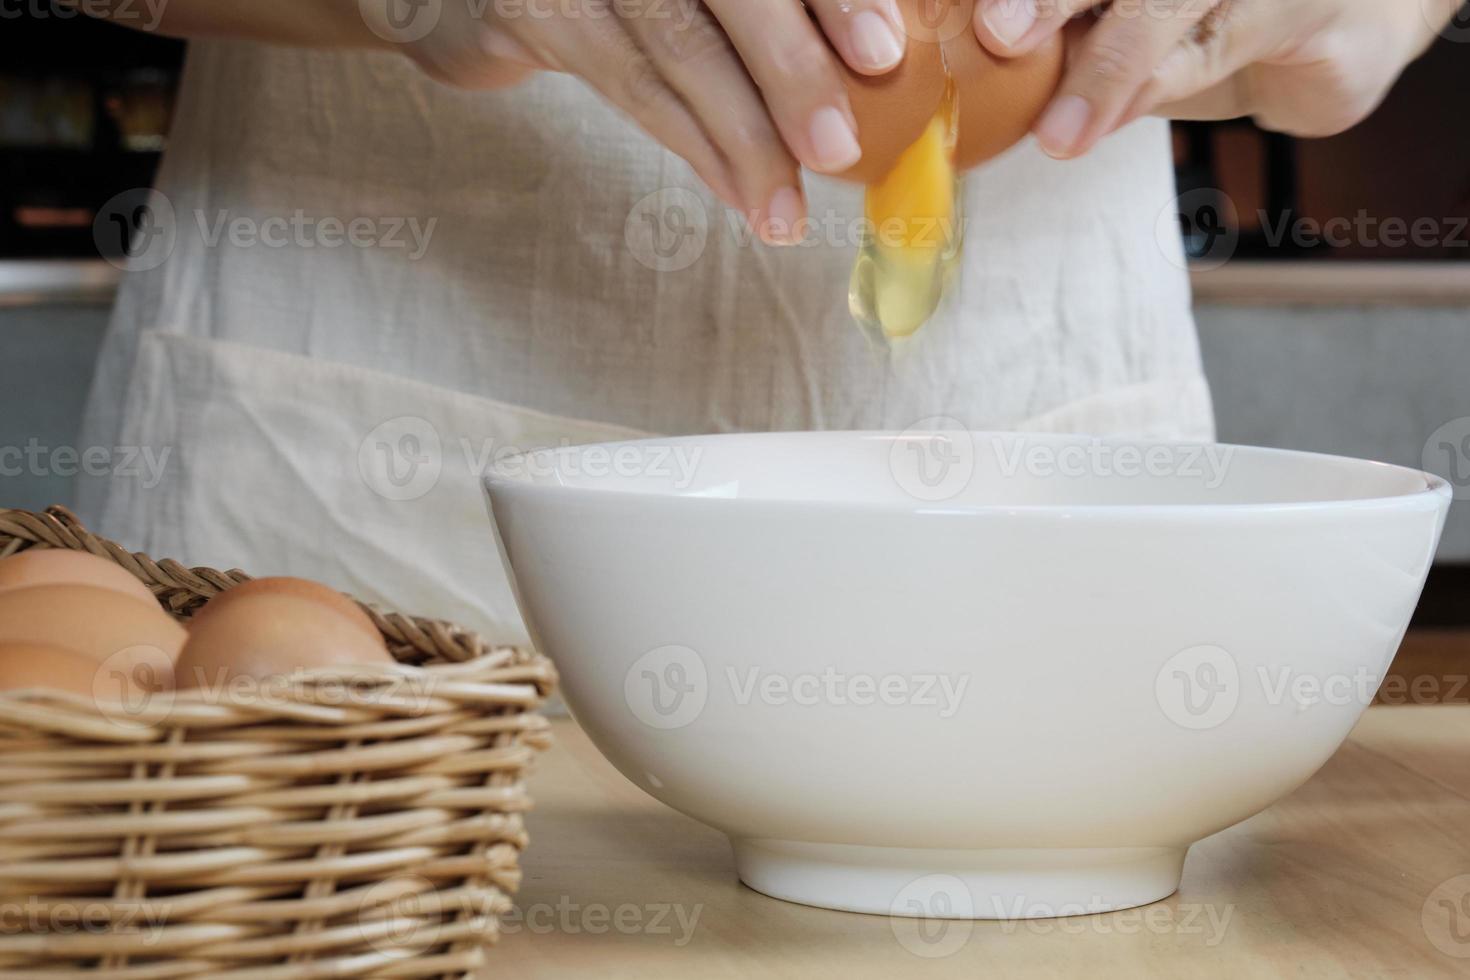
(67, 42)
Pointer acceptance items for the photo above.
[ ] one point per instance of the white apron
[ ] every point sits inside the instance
(374, 284)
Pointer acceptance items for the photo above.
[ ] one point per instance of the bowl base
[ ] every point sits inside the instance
(960, 884)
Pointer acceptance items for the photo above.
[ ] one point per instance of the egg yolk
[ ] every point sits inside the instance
(912, 235)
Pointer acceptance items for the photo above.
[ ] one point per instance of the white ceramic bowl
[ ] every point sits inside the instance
(967, 675)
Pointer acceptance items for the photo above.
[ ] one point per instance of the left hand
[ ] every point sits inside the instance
(1303, 67)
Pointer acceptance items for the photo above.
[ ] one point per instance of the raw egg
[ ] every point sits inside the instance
(947, 108)
(131, 639)
(301, 588)
(53, 566)
(271, 634)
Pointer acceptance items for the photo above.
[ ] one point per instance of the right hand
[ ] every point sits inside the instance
(745, 90)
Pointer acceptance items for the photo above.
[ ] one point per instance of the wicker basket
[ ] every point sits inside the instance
(373, 833)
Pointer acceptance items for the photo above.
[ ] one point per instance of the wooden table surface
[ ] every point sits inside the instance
(1363, 872)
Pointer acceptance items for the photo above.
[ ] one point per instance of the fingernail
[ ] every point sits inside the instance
(1062, 126)
(834, 142)
(875, 43)
(783, 217)
(1008, 20)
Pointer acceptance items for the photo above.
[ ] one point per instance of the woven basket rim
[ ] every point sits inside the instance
(429, 655)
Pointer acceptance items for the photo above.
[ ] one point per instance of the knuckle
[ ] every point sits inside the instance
(806, 61)
(1116, 58)
(747, 141)
(1344, 94)
(691, 42)
(641, 81)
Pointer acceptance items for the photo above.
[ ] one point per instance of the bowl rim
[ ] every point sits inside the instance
(1432, 492)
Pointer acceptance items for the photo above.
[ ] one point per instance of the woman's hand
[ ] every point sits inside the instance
(1304, 67)
(744, 90)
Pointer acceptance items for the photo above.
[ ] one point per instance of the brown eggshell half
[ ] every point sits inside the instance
(999, 99)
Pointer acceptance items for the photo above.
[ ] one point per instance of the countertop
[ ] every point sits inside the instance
(1363, 872)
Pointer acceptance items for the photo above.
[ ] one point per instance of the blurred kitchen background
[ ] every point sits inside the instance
(1332, 277)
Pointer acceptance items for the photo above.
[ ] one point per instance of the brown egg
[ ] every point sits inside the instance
(26, 666)
(998, 99)
(272, 634)
(128, 637)
(892, 110)
(55, 566)
(301, 588)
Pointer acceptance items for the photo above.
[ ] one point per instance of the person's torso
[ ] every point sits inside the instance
(377, 284)
(530, 245)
